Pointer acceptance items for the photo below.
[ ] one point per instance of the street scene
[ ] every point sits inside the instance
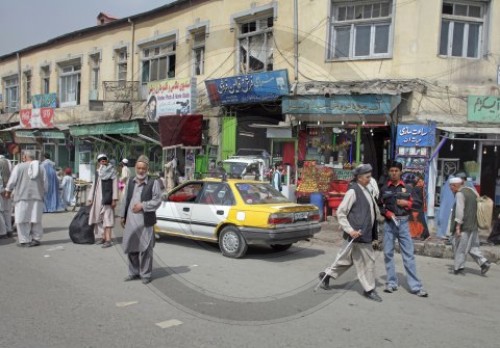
(62, 294)
(286, 173)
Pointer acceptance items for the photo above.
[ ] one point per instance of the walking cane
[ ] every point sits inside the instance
(339, 255)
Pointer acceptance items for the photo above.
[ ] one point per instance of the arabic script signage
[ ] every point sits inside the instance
(251, 88)
(415, 135)
(483, 109)
(171, 97)
(48, 100)
(366, 104)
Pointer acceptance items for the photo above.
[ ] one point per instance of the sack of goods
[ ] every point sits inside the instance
(484, 212)
(79, 230)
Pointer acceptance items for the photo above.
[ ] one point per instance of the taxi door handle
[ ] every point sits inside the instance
(185, 209)
(220, 212)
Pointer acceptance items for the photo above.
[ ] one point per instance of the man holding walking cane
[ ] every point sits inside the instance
(360, 230)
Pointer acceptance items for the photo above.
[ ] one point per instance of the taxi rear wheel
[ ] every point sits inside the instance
(281, 247)
(231, 242)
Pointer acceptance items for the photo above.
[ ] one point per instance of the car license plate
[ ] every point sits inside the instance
(300, 216)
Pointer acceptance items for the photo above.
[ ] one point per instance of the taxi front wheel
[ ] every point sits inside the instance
(231, 242)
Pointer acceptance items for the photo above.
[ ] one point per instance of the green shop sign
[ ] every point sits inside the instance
(483, 109)
(131, 127)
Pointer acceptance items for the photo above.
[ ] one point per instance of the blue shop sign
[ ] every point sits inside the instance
(250, 88)
(366, 104)
(416, 135)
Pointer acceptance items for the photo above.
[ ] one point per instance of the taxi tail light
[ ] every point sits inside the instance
(279, 219)
(314, 216)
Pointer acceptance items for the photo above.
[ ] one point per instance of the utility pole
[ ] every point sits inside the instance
(296, 38)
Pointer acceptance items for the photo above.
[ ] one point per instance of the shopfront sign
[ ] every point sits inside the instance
(250, 88)
(415, 135)
(170, 97)
(48, 100)
(367, 104)
(36, 118)
(41, 134)
(484, 108)
(131, 127)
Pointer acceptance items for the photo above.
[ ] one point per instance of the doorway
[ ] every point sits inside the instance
(489, 170)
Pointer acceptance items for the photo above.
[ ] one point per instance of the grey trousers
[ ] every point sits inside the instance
(362, 256)
(7, 213)
(141, 263)
(27, 231)
(467, 243)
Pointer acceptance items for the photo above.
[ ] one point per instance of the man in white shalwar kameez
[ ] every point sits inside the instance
(102, 199)
(28, 181)
(141, 199)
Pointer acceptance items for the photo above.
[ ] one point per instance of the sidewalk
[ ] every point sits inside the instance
(432, 247)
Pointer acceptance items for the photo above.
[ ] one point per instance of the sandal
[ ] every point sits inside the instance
(107, 244)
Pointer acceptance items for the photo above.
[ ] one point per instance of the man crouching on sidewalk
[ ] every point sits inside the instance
(361, 226)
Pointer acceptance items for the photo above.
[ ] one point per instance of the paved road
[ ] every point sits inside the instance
(65, 295)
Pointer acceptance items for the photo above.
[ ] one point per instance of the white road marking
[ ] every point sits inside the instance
(59, 247)
(169, 323)
(46, 255)
(125, 304)
(193, 266)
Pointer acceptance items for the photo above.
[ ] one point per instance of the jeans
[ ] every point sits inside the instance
(402, 235)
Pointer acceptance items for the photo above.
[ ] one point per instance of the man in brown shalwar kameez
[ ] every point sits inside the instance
(141, 199)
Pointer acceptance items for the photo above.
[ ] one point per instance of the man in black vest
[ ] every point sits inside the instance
(141, 199)
(395, 205)
(357, 216)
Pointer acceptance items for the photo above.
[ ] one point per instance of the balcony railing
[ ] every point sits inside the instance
(121, 91)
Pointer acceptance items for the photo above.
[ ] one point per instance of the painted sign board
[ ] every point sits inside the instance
(415, 135)
(37, 118)
(171, 97)
(48, 100)
(366, 104)
(250, 88)
(484, 108)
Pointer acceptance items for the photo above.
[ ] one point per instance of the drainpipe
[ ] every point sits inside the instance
(296, 38)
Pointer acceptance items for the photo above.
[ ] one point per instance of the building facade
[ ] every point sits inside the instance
(365, 66)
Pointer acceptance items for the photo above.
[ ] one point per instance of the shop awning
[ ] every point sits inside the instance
(131, 127)
(48, 134)
(180, 131)
(470, 130)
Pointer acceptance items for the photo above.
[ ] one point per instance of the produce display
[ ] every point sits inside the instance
(315, 178)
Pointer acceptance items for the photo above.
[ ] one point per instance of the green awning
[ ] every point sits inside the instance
(40, 134)
(131, 127)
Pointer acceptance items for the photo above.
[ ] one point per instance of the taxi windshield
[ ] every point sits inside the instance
(260, 193)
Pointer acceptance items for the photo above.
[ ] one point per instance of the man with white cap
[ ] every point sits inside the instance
(360, 226)
(102, 199)
(124, 175)
(141, 198)
(464, 227)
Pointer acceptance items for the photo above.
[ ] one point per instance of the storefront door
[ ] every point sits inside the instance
(489, 171)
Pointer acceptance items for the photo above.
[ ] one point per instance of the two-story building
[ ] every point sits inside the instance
(303, 79)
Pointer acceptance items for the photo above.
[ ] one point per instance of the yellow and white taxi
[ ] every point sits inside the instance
(235, 213)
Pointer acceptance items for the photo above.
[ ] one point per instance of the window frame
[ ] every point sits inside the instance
(259, 31)
(198, 61)
(353, 25)
(27, 84)
(155, 53)
(11, 83)
(121, 55)
(466, 20)
(95, 75)
(69, 70)
(45, 79)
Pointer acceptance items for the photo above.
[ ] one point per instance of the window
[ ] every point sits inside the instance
(69, 84)
(198, 52)
(11, 94)
(45, 78)
(121, 65)
(94, 62)
(27, 86)
(255, 41)
(158, 62)
(360, 31)
(462, 29)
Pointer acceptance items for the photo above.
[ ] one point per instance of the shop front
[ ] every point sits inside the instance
(118, 140)
(335, 133)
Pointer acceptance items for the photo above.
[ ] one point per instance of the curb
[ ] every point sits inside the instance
(433, 247)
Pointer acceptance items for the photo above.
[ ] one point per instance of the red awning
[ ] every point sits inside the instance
(182, 131)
